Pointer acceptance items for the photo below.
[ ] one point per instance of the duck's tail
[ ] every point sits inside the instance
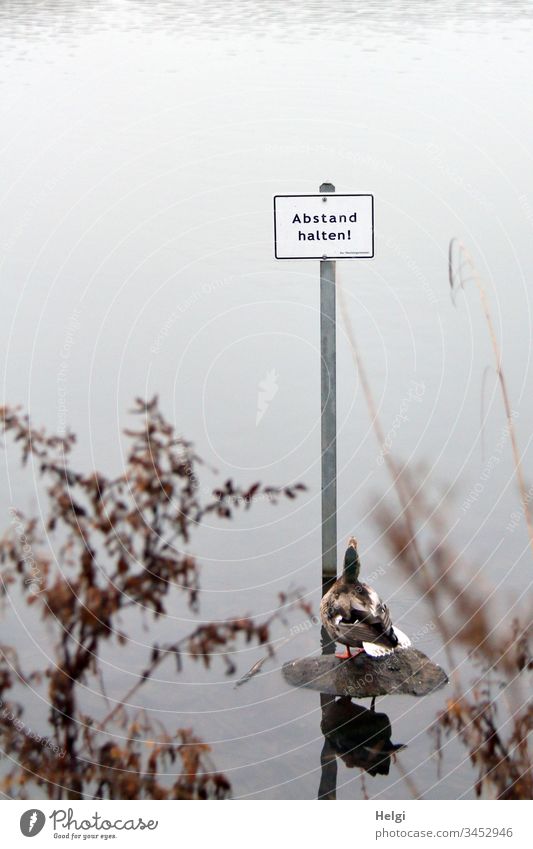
(375, 650)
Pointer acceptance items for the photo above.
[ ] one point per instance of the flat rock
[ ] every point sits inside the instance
(405, 671)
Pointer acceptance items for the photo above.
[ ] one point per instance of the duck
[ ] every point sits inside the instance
(354, 615)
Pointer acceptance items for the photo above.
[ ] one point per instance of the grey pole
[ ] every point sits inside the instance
(328, 381)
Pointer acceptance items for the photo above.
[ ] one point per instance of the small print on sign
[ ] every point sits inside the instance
(327, 226)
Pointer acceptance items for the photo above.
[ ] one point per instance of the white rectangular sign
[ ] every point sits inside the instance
(327, 226)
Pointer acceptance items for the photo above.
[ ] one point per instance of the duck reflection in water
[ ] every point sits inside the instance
(360, 737)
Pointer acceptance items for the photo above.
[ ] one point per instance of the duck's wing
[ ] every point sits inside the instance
(361, 617)
(365, 627)
(392, 637)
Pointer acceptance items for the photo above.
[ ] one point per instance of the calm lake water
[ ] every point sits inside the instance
(141, 147)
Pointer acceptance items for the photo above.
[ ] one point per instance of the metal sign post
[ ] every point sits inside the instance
(327, 227)
(328, 406)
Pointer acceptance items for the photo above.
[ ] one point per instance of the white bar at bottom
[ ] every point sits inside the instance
(269, 823)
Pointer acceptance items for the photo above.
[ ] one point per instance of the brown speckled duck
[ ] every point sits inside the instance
(353, 614)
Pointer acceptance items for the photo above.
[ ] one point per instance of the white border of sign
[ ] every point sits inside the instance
(325, 255)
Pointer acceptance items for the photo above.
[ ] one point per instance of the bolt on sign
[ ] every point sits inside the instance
(327, 226)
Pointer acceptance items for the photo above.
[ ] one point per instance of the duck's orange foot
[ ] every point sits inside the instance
(347, 654)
